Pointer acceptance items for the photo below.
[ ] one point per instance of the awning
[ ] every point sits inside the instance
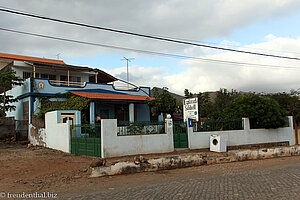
(105, 96)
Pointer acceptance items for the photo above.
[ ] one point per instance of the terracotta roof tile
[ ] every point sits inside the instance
(106, 96)
(6, 56)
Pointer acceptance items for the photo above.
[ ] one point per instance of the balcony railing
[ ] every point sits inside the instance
(66, 83)
(80, 84)
(123, 87)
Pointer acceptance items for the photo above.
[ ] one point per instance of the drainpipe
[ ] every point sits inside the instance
(30, 105)
(31, 100)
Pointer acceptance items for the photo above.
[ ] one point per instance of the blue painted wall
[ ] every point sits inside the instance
(143, 112)
(89, 87)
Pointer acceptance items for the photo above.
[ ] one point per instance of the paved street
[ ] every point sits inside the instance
(263, 179)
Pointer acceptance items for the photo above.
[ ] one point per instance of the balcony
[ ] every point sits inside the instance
(67, 83)
(47, 86)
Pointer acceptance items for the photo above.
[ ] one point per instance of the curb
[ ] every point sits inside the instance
(195, 159)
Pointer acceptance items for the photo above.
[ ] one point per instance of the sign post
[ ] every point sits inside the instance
(190, 109)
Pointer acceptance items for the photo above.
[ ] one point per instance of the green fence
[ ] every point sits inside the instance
(86, 130)
(218, 125)
(86, 139)
(180, 136)
(140, 128)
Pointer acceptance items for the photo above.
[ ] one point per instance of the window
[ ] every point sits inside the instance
(63, 78)
(78, 79)
(48, 76)
(26, 75)
(72, 78)
(44, 76)
(52, 77)
(75, 79)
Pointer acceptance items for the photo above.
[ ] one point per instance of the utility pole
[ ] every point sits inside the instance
(127, 61)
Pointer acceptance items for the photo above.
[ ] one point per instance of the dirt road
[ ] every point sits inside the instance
(41, 170)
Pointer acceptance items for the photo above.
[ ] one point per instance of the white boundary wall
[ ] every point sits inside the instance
(198, 140)
(113, 145)
(57, 134)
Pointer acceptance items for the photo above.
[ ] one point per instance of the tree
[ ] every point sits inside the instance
(7, 80)
(263, 112)
(204, 102)
(163, 102)
(291, 104)
(188, 94)
(222, 100)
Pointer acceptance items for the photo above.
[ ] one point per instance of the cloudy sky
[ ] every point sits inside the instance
(268, 26)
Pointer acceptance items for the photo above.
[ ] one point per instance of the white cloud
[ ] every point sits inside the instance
(192, 19)
(212, 76)
(141, 75)
(206, 76)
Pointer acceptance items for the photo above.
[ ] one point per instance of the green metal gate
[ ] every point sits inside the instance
(86, 139)
(180, 135)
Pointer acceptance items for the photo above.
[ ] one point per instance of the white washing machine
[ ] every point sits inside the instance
(218, 143)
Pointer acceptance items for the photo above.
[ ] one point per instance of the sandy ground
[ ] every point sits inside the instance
(34, 169)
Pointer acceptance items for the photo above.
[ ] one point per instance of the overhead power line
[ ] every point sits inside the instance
(152, 52)
(198, 41)
(141, 35)
(239, 46)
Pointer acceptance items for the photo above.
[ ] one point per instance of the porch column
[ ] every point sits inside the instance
(68, 77)
(92, 112)
(34, 71)
(131, 112)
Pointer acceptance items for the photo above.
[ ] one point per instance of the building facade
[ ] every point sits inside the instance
(47, 78)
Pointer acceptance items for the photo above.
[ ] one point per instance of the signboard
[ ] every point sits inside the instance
(190, 109)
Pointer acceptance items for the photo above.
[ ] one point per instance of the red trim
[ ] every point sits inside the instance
(28, 58)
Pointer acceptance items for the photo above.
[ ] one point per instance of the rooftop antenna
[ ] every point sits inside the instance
(57, 56)
(127, 61)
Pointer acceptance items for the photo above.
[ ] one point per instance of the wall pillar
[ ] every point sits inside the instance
(291, 126)
(169, 130)
(131, 112)
(246, 124)
(92, 112)
(190, 131)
